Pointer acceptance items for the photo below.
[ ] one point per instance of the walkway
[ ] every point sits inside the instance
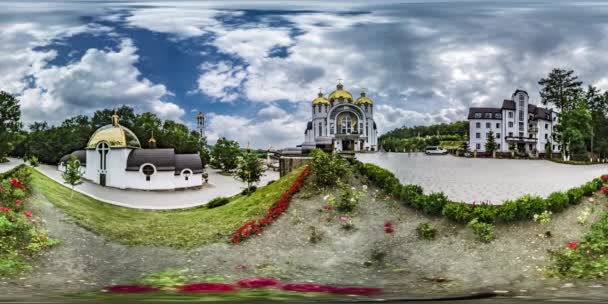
(219, 185)
(12, 163)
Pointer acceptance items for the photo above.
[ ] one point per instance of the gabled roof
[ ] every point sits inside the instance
(493, 111)
(508, 104)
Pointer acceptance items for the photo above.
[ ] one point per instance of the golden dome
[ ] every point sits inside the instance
(363, 99)
(340, 92)
(320, 100)
(115, 135)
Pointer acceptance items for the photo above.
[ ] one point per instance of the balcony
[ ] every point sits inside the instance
(533, 130)
(521, 139)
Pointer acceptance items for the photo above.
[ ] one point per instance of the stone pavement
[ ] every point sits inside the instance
(219, 185)
(481, 179)
(13, 162)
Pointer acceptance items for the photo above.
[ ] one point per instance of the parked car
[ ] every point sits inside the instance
(435, 150)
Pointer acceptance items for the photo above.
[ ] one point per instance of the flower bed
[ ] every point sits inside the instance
(523, 208)
(255, 227)
(20, 235)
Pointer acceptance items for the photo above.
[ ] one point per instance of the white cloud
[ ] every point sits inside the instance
(271, 111)
(182, 22)
(221, 80)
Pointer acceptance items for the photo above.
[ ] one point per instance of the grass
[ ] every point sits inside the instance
(184, 228)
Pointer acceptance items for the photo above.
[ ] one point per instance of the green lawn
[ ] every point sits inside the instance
(185, 228)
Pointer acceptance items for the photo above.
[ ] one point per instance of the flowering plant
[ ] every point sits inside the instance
(255, 227)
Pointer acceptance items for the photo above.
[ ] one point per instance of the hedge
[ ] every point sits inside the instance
(523, 208)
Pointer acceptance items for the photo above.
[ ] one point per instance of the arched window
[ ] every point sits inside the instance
(320, 129)
(103, 148)
(186, 173)
(148, 170)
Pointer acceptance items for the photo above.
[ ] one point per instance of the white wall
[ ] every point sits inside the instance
(483, 131)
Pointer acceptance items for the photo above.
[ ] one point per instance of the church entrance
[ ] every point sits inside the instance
(348, 145)
(103, 149)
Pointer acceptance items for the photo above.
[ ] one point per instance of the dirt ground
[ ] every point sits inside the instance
(454, 263)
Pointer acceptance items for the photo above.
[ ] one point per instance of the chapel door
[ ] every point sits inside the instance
(103, 149)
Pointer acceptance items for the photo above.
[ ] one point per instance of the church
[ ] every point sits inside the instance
(341, 123)
(113, 157)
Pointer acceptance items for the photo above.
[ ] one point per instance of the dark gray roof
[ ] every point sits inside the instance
(80, 154)
(164, 160)
(519, 90)
(508, 104)
(483, 111)
(540, 113)
(308, 126)
(188, 161)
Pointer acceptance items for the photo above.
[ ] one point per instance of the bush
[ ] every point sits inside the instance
(528, 206)
(218, 201)
(329, 169)
(458, 212)
(348, 198)
(249, 190)
(425, 231)
(508, 211)
(433, 204)
(575, 195)
(483, 231)
(557, 202)
(485, 213)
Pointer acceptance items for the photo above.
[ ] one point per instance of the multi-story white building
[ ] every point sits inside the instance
(341, 123)
(525, 127)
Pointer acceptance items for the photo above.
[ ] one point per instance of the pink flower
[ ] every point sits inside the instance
(604, 190)
(572, 245)
(28, 213)
(130, 289)
(343, 219)
(206, 287)
(605, 178)
(389, 230)
(388, 224)
(5, 210)
(307, 287)
(258, 282)
(360, 291)
(18, 202)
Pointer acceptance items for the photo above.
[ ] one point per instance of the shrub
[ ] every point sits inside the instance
(458, 212)
(557, 201)
(165, 279)
(508, 211)
(218, 201)
(528, 206)
(433, 204)
(543, 218)
(249, 190)
(328, 169)
(348, 199)
(425, 231)
(575, 195)
(483, 231)
(485, 213)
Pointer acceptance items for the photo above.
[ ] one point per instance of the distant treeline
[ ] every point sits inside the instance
(412, 139)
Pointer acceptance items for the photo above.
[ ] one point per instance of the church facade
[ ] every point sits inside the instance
(341, 123)
(113, 157)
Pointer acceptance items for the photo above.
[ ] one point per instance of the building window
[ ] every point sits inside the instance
(477, 135)
(331, 128)
(320, 129)
(187, 174)
(478, 146)
(497, 125)
(510, 134)
(497, 135)
(148, 170)
(510, 114)
(553, 147)
(510, 124)
(488, 125)
(546, 126)
(521, 126)
(546, 136)
(521, 134)
(521, 115)
(498, 146)
(498, 115)
(488, 115)
(477, 115)
(478, 125)
(103, 148)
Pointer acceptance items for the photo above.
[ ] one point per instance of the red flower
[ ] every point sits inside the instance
(5, 210)
(15, 183)
(206, 287)
(388, 224)
(236, 239)
(258, 282)
(18, 202)
(307, 287)
(605, 178)
(572, 245)
(389, 230)
(28, 213)
(604, 190)
(130, 289)
(328, 208)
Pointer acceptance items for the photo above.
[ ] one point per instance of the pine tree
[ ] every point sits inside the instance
(72, 174)
(490, 143)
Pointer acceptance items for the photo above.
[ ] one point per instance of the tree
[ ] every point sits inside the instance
(72, 174)
(204, 152)
(226, 153)
(574, 127)
(10, 124)
(34, 162)
(465, 145)
(491, 143)
(249, 169)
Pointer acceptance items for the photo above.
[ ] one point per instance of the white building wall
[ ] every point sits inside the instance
(478, 142)
(116, 166)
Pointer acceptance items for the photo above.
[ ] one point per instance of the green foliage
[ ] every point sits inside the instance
(425, 231)
(543, 218)
(166, 279)
(483, 231)
(433, 203)
(458, 212)
(347, 199)
(34, 162)
(217, 202)
(72, 175)
(10, 123)
(249, 169)
(328, 169)
(491, 145)
(557, 202)
(485, 213)
(417, 138)
(249, 190)
(226, 153)
(575, 195)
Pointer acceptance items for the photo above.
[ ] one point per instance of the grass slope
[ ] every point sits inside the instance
(185, 228)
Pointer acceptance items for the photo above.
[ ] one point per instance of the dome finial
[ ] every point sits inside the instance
(339, 86)
(115, 118)
(363, 92)
(320, 92)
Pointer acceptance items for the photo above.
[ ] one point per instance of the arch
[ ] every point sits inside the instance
(186, 173)
(148, 170)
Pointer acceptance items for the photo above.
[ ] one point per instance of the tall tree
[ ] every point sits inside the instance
(72, 174)
(249, 169)
(225, 153)
(491, 143)
(10, 124)
(574, 128)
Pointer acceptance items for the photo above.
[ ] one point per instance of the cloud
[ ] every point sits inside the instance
(182, 22)
(100, 79)
(221, 80)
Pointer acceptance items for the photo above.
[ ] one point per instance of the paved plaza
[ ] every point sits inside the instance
(482, 179)
(219, 185)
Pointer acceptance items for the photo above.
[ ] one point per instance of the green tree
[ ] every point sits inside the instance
(72, 174)
(574, 127)
(10, 124)
(491, 145)
(226, 153)
(249, 169)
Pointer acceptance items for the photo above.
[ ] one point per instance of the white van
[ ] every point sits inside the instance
(435, 150)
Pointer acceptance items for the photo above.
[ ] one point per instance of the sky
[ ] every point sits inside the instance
(253, 67)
